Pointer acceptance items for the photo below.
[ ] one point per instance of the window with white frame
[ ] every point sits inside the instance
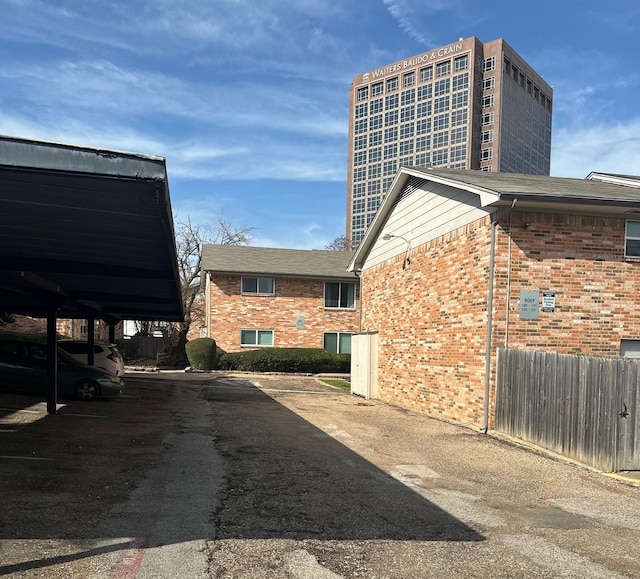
(487, 118)
(360, 174)
(409, 79)
(357, 222)
(458, 154)
(632, 239)
(440, 139)
(337, 342)
(373, 187)
(360, 126)
(391, 102)
(442, 87)
(358, 205)
(358, 190)
(340, 295)
(489, 83)
(391, 134)
(375, 139)
(460, 82)
(441, 104)
(423, 159)
(375, 122)
(461, 63)
(426, 73)
(392, 84)
(459, 117)
(407, 114)
(440, 157)
(423, 109)
(256, 337)
(360, 158)
(361, 110)
(441, 122)
(375, 106)
(459, 135)
(363, 93)
(373, 203)
(390, 118)
(423, 143)
(487, 101)
(258, 285)
(406, 147)
(391, 151)
(423, 127)
(460, 100)
(443, 68)
(406, 161)
(407, 97)
(390, 168)
(486, 136)
(360, 142)
(406, 130)
(374, 171)
(486, 154)
(425, 92)
(375, 155)
(376, 89)
(489, 64)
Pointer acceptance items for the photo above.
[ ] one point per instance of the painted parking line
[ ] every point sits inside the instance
(10, 457)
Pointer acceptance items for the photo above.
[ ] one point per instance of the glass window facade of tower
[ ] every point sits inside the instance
(466, 105)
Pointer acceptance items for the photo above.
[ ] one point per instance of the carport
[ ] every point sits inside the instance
(85, 233)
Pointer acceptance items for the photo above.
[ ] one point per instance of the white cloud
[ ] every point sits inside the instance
(602, 147)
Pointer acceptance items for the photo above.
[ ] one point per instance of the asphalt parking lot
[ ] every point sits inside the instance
(208, 475)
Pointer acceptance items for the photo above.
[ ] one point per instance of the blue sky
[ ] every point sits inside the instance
(248, 99)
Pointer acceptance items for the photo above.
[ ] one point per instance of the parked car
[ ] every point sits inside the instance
(105, 356)
(23, 367)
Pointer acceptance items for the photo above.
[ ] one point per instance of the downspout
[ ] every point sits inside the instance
(487, 356)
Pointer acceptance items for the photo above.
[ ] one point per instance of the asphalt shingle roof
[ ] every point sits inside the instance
(506, 184)
(243, 259)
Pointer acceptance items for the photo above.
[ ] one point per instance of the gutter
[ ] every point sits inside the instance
(487, 355)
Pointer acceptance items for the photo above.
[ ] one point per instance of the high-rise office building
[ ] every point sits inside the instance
(467, 105)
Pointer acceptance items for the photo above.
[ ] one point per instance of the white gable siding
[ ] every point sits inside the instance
(428, 213)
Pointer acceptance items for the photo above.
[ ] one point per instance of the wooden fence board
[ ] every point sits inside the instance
(571, 405)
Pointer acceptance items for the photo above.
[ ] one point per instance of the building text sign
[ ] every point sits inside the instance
(529, 305)
(548, 301)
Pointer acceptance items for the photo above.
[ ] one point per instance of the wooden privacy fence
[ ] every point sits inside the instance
(583, 407)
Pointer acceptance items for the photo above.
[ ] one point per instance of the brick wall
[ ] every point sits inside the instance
(431, 323)
(431, 317)
(231, 311)
(581, 259)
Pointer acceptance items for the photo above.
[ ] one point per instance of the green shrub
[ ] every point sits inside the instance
(201, 353)
(288, 360)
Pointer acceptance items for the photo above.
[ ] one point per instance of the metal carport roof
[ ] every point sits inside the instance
(86, 230)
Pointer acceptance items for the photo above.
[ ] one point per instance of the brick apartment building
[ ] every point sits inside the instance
(266, 297)
(546, 263)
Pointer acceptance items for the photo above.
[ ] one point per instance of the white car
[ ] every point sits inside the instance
(105, 356)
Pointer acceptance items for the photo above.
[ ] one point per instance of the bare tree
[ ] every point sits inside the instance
(341, 243)
(190, 237)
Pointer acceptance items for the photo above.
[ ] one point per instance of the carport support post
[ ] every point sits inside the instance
(52, 361)
(91, 339)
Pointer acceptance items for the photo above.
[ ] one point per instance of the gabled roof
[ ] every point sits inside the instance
(617, 178)
(87, 231)
(532, 192)
(248, 260)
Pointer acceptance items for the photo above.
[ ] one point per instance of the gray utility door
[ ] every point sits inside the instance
(364, 365)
